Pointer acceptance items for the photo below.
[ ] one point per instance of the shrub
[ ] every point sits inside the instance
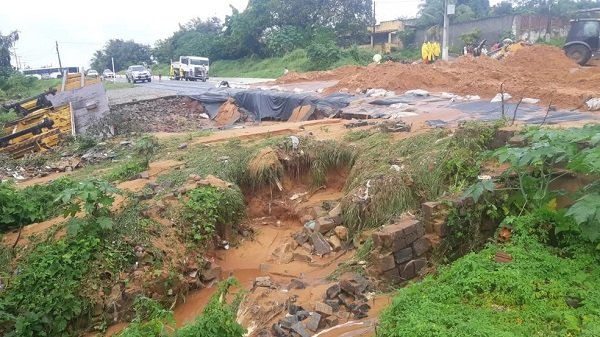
(322, 55)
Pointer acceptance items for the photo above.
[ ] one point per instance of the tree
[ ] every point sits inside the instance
(7, 42)
(125, 53)
(502, 8)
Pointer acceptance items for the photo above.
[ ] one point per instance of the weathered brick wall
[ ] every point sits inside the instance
(400, 250)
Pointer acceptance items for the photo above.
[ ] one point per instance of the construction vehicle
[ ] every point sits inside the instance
(190, 68)
(583, 39)
(30, 104)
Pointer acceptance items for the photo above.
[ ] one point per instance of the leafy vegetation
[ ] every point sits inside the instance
(209, 206)
(217, 319)
(94, 197)
(126, 171)
(145, 148)
(35, 203)
(43, 298)
(544, 290)
(535, 169)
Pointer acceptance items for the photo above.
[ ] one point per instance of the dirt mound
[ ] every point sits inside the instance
(228, 113)
(265, 166)
(537, 71)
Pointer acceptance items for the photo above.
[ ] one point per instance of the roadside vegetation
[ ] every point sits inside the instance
(546, 285)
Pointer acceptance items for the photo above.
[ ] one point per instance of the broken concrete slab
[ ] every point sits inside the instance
(320, 244)
(302, 315)
(288, 321)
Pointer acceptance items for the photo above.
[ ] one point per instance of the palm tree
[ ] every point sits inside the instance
(6, 44)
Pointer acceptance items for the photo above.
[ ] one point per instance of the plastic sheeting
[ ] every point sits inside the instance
(267, 104)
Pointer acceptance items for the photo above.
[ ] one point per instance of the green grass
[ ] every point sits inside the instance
(43, 85)
(295, 61)
(162, 69)
(543, 291)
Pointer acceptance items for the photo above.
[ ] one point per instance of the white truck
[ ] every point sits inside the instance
(190, 68)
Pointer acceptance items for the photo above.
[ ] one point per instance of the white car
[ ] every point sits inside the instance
(107, 73)
(138, 73)
(92, 73)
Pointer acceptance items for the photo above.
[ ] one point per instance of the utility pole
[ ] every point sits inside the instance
(445, 33)
(59, 62)
(373, 31)
(112, 59)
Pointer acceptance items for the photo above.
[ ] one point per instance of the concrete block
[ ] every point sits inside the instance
(407, 270)
(392, 275)
(323, 309)
(313, 322)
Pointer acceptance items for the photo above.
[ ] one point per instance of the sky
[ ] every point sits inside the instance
(83, 29)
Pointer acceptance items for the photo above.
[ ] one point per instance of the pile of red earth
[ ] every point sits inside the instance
(342, 301)
(538, 71)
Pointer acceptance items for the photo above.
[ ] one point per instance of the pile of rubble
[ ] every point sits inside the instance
(344, 300)
(322, 233)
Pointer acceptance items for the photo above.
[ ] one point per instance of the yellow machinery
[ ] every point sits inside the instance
(38, 131)
(43, 124)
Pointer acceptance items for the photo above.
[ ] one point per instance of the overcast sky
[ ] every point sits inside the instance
(81, 29)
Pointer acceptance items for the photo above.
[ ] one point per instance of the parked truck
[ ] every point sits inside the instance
(190, 68)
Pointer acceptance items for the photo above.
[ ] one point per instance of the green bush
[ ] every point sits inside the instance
(322, 55)
(209, 206)
(43, 299)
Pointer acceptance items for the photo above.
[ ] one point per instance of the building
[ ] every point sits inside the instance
(385, 37)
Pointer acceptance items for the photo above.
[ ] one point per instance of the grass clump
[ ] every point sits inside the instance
(391, 177)
(317, 158)
(543, 291)
(125, 171)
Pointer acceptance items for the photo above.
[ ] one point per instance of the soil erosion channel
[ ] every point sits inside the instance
(274, 216)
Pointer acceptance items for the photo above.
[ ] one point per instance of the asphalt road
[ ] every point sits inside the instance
(166, 87)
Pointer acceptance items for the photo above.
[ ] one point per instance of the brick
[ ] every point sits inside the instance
(428, 210)
(323, 309)
(384, 263)
(325, 224)
(441, 229)
(313, 322)
(410, 234)
(301, 330)
(407, 270)
(333, 291)
(392, 276)
(421, 246)
(319, 243)
(403, 255)
(348, 287)
(334, 304)
(420, 229)
(346, 299)
(419, 264)
(317, 212)
(331, 321)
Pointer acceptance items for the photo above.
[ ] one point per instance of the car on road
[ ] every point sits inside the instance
(138, 73)
(92, 73)
(107, 73)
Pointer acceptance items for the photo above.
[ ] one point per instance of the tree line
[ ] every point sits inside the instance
(265, 28)
(269, 28)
